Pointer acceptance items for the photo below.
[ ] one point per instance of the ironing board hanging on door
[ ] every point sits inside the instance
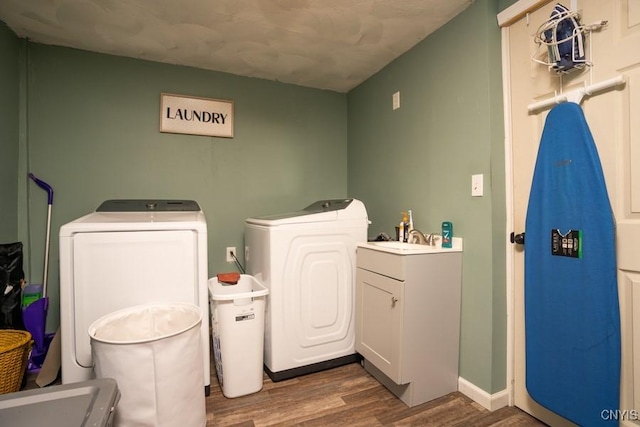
(572, 318)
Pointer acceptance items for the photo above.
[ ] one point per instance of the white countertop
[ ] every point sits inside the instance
(402, 248)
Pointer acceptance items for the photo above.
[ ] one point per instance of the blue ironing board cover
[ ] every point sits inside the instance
(572, 317)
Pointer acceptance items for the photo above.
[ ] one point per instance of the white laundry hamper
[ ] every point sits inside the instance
(154, 352)
(237, 324)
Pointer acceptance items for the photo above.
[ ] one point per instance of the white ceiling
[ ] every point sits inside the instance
(325, 44)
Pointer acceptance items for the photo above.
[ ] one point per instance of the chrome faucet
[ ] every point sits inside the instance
(431, 239)
(418, 237)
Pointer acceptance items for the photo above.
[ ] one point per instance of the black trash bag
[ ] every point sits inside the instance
(11, 281)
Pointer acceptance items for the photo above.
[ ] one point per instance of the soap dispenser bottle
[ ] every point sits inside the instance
(402, 228)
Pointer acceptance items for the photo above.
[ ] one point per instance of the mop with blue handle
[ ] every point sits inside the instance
(35, 314)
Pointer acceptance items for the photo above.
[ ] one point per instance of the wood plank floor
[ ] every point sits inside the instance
(348, 396)
(345, 396)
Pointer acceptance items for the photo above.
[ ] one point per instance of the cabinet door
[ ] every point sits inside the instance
(379, 321)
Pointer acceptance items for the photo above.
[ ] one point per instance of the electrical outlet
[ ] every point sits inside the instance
(229, 251)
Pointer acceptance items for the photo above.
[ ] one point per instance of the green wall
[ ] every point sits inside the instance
(93, 135)
(421, 157)
(9, 122)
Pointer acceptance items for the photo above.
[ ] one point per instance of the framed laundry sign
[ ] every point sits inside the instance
(196, 116)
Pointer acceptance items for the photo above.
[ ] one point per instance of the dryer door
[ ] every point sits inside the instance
(319, 297)
(115, 270)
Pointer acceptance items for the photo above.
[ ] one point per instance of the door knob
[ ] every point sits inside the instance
(518, 239)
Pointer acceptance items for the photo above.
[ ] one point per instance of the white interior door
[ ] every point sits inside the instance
(613, 119)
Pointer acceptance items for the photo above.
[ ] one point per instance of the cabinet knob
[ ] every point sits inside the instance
(394, 300)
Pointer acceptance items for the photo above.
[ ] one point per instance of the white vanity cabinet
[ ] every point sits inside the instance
(408, 318)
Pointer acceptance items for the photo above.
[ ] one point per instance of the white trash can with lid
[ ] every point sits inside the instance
(154, 352)
(237, 321)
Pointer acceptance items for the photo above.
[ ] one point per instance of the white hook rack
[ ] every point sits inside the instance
(578, 94)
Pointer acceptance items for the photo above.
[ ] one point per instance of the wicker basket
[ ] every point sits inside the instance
(14, 354)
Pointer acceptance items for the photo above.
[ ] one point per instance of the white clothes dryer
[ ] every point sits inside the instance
(126, 253)
(307, 259)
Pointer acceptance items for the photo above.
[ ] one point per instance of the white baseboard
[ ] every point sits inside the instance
(490, 401)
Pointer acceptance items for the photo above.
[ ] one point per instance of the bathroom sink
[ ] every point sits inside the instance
(412, 248)
(402, 246)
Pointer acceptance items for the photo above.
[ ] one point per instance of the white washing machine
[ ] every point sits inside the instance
(126, 253)
(307, 259)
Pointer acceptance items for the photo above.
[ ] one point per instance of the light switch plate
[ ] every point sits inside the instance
(477, 185)
(396, 100)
